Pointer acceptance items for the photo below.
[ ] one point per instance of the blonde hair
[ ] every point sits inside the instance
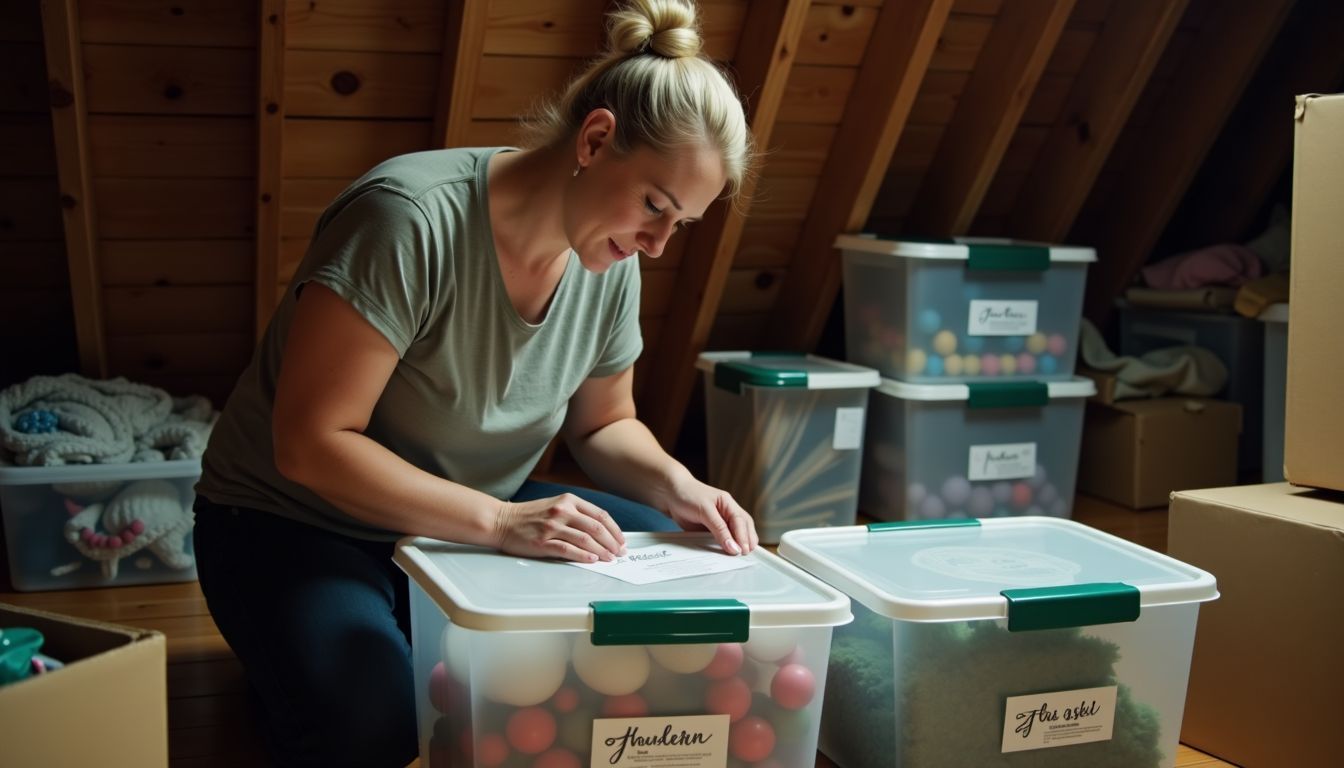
(664, 91)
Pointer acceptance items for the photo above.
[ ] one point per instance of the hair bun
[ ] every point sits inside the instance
(666, 28)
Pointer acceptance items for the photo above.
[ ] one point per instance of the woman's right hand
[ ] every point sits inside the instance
(564, 526)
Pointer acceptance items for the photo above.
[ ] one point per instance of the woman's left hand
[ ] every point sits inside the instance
(696, 506)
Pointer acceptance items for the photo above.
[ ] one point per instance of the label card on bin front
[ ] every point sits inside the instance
(1001, 318)
(1058, 719)
(692, 741)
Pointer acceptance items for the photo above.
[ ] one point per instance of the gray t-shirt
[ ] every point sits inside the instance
(478, 392)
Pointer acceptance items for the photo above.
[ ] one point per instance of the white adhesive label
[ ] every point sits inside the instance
(1001, 318)
(1059, 719)
(848, 429)
(692, 741)
(1003, 461)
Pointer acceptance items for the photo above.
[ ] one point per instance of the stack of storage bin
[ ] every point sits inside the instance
(979, 413)
(786, 436)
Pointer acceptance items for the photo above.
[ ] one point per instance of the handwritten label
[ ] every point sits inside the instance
(664, 562)
(692, 741)
(848, 429)
(1004, 461)
(1058, 719)
(1001, 318)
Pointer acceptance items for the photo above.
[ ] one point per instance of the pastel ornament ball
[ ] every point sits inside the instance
(521, 669)
(945, 342)
(771, 644)
(684, 659)
(531, 730)
(751, 739)
(793, 686)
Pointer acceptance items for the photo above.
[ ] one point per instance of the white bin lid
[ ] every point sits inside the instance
(958, 248)
(768, 369)
(956, 570)
(87, 473)
(1078, 386)
(484, 589)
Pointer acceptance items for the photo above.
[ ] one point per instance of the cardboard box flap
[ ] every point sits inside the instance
(1277, 500)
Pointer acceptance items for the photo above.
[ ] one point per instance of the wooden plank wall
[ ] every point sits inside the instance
(215, 132)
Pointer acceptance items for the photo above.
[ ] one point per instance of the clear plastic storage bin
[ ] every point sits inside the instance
(1003, 642)
(99, 525)
(937, 451)
(964, 309)
(1275, 318)
(785, 436)
(534, 663)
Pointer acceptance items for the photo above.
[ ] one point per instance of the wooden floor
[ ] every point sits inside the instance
(208, 722)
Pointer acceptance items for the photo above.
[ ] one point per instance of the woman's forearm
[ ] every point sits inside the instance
(625, 458)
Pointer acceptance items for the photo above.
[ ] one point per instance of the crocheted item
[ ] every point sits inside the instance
(99, 421)
(146, 514)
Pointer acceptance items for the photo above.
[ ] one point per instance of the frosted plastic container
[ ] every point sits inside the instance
(963, 310)
(1003, 642)
(785, 436)
(937, 451)
(523, 661)
(59, 523)
(1237, 341)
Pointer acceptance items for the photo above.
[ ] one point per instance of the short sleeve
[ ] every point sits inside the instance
(624, 340)
(379, 253)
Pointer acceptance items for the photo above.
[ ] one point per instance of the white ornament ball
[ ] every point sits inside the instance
(520, 668)
(771, 644)
(685, 659)
(455, 647)
(611, 670)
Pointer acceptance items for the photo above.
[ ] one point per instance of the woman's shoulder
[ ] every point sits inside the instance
(417, 173)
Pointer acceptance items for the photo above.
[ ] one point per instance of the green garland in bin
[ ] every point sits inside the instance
(860, 700)
(956, 679)
(959, 673)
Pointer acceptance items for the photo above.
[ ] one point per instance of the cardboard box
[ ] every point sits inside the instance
(1314, 421)
(107, 707)
(1136, 452)
(1267, 672)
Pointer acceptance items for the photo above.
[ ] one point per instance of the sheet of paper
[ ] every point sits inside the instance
(664, 562)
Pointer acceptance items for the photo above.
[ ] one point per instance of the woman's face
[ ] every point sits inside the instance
(620, 205)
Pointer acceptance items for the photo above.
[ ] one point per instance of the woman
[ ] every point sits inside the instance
(455, 310)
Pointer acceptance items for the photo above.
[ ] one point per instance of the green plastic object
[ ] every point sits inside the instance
(18, 645)
(903, 525)
(1007, 394)
(669, 622)
(733, 374)
(984, 257)
(1075, 605)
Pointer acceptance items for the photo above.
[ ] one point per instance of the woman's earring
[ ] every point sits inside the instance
(577, 168)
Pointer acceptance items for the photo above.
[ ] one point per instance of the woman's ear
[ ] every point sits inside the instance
(597, 131)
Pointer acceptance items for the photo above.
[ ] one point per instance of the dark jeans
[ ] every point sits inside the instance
(322, 627)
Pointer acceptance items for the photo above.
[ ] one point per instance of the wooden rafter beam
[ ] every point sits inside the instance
(1100, 101)
(763, 61)
(1005, 77)
(69, 123)
(903, 40)
(1192, 110)
(1256, 146)
(464, 27)
(270, 154)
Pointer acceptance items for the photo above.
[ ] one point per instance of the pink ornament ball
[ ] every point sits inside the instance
(793, 686)
(727, 660)
(439, 691)
(1056, 344)
(752, 739)
(1021, 495)
(1026, 363)
(731, 697)
(629, 705)
(492, 750)
(565, 700)
(557, 758)
(531, 730)
(989, 365)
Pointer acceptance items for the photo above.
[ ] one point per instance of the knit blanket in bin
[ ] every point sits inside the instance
(68, 419)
